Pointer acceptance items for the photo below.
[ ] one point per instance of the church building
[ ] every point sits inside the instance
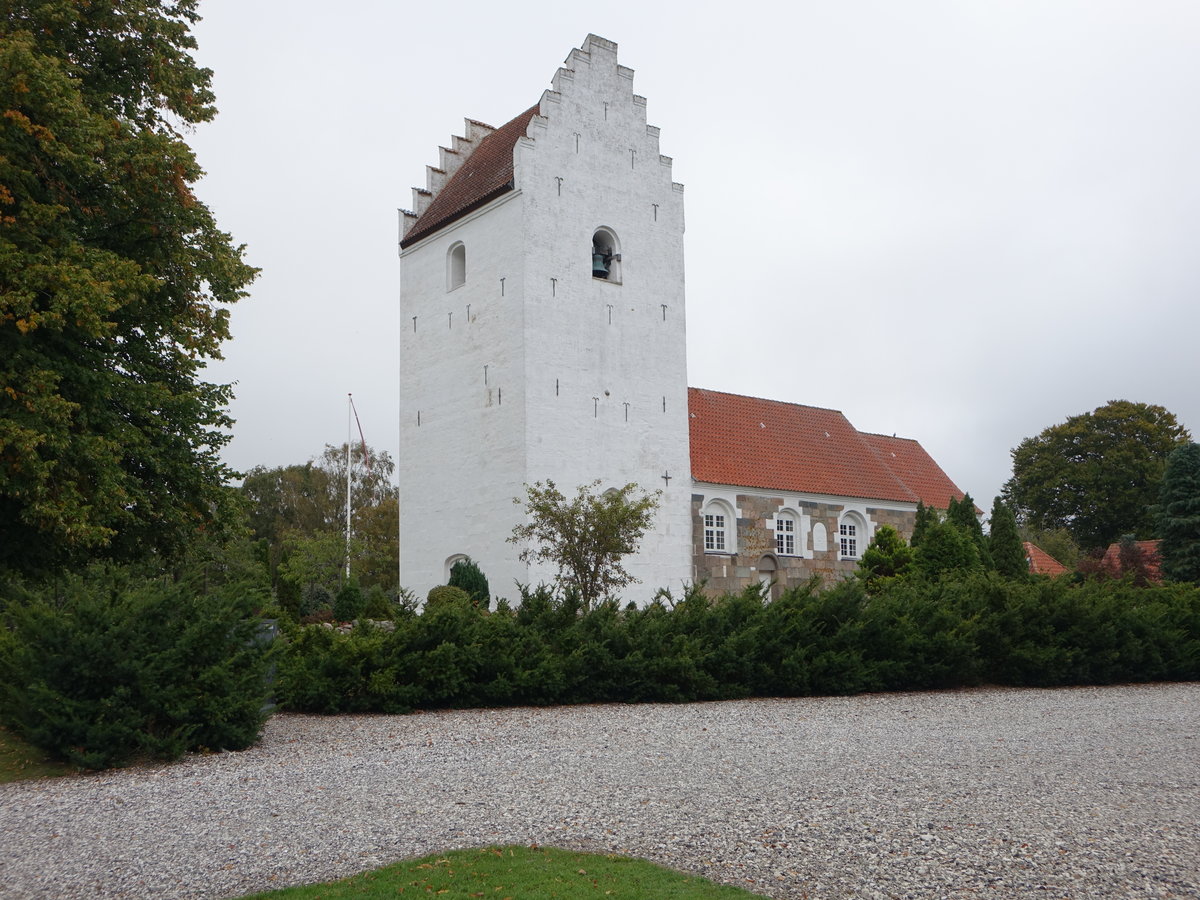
(543, 338)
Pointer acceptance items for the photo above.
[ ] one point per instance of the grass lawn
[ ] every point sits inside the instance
(19, 760)
(517, 873)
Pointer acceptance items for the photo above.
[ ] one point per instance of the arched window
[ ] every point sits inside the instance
(456, 266)
(852, 535)
(785, 534)
(719, 523)
(606, 255)
(450, 561)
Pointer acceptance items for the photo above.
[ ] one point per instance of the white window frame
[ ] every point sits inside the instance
(853, 534)
(848, 539)
(715, 531)
(718, 522)
(786, 531)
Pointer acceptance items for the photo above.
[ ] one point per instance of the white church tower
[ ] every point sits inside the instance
(542, 323)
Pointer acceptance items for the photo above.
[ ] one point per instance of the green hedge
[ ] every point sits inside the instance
(913, 635)
(107, 667)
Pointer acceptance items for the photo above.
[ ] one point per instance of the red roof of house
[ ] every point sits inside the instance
(1041, 562)
(1111, 562)
(751, 442)
(484, 175)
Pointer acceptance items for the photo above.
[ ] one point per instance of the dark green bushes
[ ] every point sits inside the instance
(912, 635)
(109, 666)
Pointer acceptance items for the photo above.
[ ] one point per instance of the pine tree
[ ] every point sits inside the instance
(1179, 515)
(1004, 542)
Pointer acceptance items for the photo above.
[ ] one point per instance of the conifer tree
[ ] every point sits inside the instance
(1004, 542)
(962, 513)
(945, 549)
(466, 574)
(886, 557)
(1179, 515)
(925, 517)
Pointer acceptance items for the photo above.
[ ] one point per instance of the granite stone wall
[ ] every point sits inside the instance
(755, 555)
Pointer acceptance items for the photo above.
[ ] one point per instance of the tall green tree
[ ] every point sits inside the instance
(1004, 542)
(947, 549)
(587, 537)
(1097, 474)
(114, 283)
(962, 513)
(926, 516)
(1179, 515)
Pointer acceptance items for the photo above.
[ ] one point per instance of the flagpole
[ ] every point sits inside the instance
(349, 409)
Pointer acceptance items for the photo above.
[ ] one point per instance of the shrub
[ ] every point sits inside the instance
(314, 599)
(467, 575)
(107, 667)
(348, 604)
(445, 594)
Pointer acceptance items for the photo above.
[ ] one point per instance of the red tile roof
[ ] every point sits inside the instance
(1041, 562)
(915, 468)
(484, 175)
(1151, 559)
(751, 442)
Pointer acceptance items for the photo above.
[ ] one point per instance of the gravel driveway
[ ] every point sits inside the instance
(1083, 792)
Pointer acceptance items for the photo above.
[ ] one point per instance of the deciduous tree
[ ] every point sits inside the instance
(114, 280)
(587, 537)
(1097, 474)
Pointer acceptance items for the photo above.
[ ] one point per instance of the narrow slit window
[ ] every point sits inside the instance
(456, 266)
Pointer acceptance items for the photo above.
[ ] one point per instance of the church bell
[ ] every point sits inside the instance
(599, 264)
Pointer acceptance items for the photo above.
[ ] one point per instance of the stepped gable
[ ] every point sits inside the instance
(756, 443)
(910, 463)
(486, 173)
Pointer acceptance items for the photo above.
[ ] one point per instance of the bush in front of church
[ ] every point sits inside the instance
(911, 634)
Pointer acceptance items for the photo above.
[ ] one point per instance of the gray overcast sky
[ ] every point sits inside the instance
(959, 222)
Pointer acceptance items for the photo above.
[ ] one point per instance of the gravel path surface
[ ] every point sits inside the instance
(1084, 792)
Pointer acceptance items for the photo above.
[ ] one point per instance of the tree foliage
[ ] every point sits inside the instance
(1097, 474)
(962, 513)
(1179, 515)
(1004, 542)
(926, 516)
(114, 282)
(585, 538)
(299, 513)
(466, 574)
(114, 663)
(946, 550)
(886, 557)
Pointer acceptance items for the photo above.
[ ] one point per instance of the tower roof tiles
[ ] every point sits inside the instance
(484, 175)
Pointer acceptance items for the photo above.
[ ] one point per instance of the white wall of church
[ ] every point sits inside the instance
(586, 378)
(606, 360)
(462, 436)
